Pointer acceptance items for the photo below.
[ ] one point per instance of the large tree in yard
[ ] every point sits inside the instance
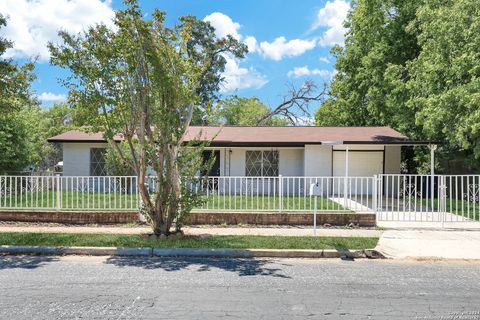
(18, 127)
(413, 66)
(142, 79)
(15, 80)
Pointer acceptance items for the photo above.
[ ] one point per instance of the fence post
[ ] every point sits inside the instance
(375, 193)
(442, 198)
(139, 202)
(59, 194)
(280, 193)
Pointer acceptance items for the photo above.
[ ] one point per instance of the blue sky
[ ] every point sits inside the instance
(290, 41)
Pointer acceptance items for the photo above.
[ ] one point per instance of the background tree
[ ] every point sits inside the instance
(413, 66)
(115, 164)
(143, 80)
(19, 130)
(241, 111)
(15, 80)
(55, 120)
(369, 86)
(444, 80)
(15, 142)
(23, 138)
(294, 108)
(295, 105)
(370, 66)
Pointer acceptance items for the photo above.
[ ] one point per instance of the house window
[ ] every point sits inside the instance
(261, 163)
(97, 162)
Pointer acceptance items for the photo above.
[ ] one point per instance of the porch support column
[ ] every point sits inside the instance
(346, 162)
(432, 148)
(345, 184)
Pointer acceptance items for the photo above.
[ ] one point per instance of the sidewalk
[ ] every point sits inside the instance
(299, 231)
(430, 244)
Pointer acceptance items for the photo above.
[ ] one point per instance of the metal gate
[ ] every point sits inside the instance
(429, 198)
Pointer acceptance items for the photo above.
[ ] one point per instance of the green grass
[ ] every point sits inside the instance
(291, 203)
(234, 242)
(125, 201)
(72, 200)
(470, 210)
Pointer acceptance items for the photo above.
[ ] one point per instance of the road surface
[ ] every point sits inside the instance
(132, 288)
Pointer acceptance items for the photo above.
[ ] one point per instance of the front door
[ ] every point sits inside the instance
(215, 169)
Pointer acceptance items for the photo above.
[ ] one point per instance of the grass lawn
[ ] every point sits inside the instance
(126, 201)
(462, 208)
(234, 242)
(71, 200)
(242, 202)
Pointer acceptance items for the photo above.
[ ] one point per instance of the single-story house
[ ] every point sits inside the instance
(266, 151)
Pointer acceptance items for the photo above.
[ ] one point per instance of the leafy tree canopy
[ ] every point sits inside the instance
(243, 112)
(15, 80)
(142, 80)
(444, 80)
(413, 66)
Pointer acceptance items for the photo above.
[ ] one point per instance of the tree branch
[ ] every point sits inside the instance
(296, 102)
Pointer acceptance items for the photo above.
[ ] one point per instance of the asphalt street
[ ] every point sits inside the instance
(36, 287)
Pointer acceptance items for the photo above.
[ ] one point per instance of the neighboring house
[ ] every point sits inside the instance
(266, 151)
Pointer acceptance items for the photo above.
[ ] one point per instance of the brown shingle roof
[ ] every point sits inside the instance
(271, 136)
(80, 136)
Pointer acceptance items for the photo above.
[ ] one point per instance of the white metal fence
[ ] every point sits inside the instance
(429, 198)
(284, 193)
(68, 193)
(394, 197)
(218, 193)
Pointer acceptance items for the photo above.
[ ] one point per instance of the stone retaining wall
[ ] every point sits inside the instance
(196, 218)
(293, 218)
(76, 217)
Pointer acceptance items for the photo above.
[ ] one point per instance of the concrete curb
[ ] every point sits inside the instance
(187, 252)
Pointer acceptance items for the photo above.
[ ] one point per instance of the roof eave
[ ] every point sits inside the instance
(403, 143)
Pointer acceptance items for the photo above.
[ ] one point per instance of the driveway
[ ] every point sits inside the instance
(424, 244)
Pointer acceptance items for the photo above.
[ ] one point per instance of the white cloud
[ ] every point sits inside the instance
(237, 77)
(32, 24)
(305, 71)
(280, 48)
(324, 59)
(332, 17)
(48, 96)
(251, 43)
(223, 25)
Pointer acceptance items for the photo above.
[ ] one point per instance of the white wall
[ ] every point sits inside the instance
(237, 162)
(290, 162)
(314, 160)
(392, 165)
(318, 160)
(392, 159)
(360, 164)
(76, 158)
